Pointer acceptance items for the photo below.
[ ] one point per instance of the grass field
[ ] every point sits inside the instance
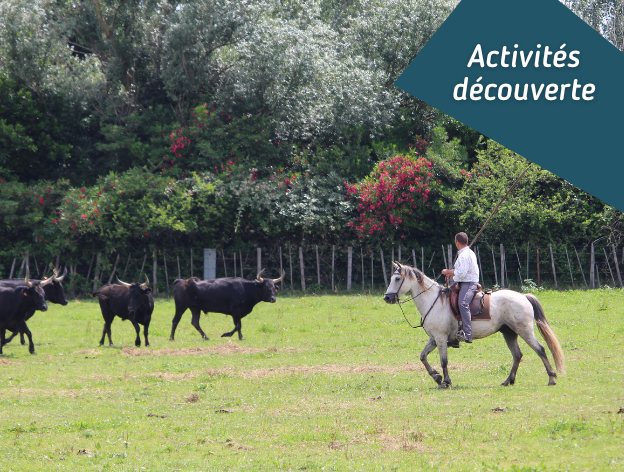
(321, 383)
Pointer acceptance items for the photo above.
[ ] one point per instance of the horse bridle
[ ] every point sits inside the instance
(400, 303)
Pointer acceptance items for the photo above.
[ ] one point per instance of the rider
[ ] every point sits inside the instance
(466, 273)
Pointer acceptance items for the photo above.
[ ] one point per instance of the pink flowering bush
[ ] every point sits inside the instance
(395, 195)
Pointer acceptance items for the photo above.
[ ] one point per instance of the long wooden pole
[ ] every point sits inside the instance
(333, 268)
(494, 263)
(592, 261)
(362, 257)
(502, 259)
(609, 265)
(291, 269)
(224, 264)
(166, 273)
(318, 267)
(349, 267)
(110, 279)
(281, 267)
(538, 269)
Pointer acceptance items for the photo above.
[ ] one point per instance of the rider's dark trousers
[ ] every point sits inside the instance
(466, 294)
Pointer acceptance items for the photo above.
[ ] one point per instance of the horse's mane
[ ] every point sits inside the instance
(412, 273)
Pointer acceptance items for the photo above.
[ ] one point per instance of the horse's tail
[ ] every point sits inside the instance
(547, 333)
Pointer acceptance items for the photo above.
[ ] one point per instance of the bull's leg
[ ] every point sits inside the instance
(137, 328)
(176, 319)
(107, 330)
(22, 340)
(10, 338)
(237, 327)
(145, 330)
(195, 321)
(431, 345)
(31, 345)
(2, 335)
(511, 338)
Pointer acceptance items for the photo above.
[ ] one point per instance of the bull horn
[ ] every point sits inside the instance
(126, 284)
(45, 282)
(28, 282)
(144, 285)
(60, 279)
(281, 278)
(260, 279)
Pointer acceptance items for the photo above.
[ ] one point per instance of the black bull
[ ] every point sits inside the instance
(231, 296)
(15, 303)
(132, 302)
(53, 292)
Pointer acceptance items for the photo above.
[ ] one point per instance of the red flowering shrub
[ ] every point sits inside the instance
(396, 192)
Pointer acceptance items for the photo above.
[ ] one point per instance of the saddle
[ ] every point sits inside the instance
(479, 306)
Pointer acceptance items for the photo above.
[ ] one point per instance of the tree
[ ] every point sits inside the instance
(543, 208)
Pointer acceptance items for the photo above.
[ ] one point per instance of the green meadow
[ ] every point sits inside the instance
(327, 382)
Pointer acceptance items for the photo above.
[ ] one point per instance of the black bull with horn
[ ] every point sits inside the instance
(232, 296)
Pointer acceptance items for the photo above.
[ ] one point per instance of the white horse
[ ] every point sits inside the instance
(512, 314)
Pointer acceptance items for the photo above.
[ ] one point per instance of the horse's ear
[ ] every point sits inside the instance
(395, 265)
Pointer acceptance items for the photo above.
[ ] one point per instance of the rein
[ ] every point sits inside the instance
(401, 302)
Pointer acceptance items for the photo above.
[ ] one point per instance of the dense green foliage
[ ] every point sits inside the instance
(232, 123)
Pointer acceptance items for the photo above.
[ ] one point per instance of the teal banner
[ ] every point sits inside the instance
(534, 77)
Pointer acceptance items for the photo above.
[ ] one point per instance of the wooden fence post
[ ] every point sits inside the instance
(580, 267)
(235, 262)
(90, 266)
(538, 269)
(126, 268)
(303, 287)
(372, 272)
(552, 261)
(349, 267)
(569, 266)
(12, 268)
(318, 268)
(143, 265)
(617, 267)
(179, 271)
(480, 267)
(362, 257)
(592, 260)
(240, 261)
(333, 268)
(155, 271)
(224, 265)
(291, 269)
(37, 266)
(281, 267)
(110, 279)
(191, 262)
(97, 268)
(383, 267)
(609, 265)
(422, 260)
(166, 273)
(494, 263)
(527, 265)
(414, 258)
(259, 255)
(444, 257)
(502, 252)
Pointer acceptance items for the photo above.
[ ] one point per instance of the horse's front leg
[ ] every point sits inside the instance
(443, 350)
(431, 345)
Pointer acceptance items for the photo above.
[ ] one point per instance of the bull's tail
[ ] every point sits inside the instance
(547, 333)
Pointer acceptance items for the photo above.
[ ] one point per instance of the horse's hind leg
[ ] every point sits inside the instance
(431, 345)
(443, 350)
(532, 341)
(511, 338)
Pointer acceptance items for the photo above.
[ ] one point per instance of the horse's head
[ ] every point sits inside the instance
(397, 287)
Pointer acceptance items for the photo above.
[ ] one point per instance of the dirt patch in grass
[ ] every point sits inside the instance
(4, 361)
(219, 350)
(90, 352)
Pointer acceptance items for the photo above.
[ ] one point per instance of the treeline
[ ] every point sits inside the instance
(236, 124)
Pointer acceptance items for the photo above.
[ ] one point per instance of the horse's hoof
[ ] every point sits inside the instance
(443, 386)
(438, 379)
(171, 339)
(552, 382)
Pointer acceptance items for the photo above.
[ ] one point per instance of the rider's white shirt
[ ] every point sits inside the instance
(466, 267)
